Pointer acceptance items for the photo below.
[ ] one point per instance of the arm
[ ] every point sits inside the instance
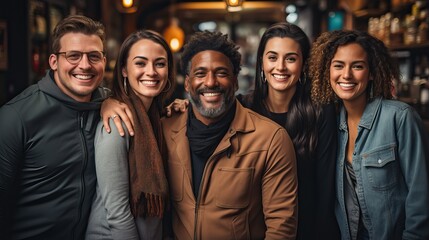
(11, 157)
(119, 112)
(325, 162)
(111, 161)
(279, 189)
(414, 159)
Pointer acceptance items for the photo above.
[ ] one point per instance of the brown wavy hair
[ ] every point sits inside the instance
(382, 68)
(76, 24)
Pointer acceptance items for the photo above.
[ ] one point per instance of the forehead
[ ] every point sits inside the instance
(80, 42)
(285, 44)
(351, 51)
(147, 48)
(211, 59)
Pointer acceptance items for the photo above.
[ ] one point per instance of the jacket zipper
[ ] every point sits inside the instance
(85, 160)
(197, 204)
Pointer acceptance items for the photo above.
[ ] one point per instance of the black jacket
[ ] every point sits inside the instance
(47, 173)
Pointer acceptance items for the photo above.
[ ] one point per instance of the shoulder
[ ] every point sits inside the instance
(25, 96)
(176, 121)
(106, 140)
(395, 105)
(23, 106)
(259, 126)
(396, 109)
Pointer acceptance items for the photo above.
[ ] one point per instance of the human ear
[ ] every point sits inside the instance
(187, 83)
(124, 72)
(53, 61)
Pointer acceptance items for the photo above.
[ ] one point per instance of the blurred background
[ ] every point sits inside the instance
(26, 25)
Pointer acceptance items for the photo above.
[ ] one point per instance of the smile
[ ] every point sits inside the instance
(280, 76)
(149, 82)
(347, 85)
(211, 94)
(83, 76)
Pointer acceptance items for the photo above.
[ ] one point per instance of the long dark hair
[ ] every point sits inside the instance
(118, 89)
(302, 115)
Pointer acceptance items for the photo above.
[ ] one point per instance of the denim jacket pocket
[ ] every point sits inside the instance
(234, 187)
(381, 168)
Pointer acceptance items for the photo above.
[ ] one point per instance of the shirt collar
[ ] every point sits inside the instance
(368, 116)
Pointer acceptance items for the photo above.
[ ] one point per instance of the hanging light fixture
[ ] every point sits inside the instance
(234, 5)
(127, 6)
(173, 34)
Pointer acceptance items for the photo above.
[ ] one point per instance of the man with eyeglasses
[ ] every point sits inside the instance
(47, 173)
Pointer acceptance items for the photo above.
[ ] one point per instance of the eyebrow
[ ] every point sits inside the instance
(354, 62)
(287, 54)
(205, 69)
(145, 58)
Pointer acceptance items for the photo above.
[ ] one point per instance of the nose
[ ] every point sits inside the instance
(84, 62)
(150, 69)
(347, 73)
(210, 80)
(281, 64)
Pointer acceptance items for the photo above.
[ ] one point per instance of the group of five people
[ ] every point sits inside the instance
(318, 150)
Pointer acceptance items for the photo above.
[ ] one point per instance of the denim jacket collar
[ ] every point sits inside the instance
(368, 116)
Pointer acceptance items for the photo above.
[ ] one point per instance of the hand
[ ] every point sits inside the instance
(112, 108)
(178, 105)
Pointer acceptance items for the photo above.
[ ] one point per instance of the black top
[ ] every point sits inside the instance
(203, 141)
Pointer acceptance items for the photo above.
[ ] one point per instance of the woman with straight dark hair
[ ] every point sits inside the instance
(282, 93)
(132, 189)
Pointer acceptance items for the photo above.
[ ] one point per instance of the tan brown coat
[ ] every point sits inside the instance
(249, 184)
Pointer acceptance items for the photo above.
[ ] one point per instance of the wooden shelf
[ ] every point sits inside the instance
(415, 46)
(366, 13)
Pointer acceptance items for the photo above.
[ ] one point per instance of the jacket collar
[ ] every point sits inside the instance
(48, 86)
(368, 116)
(176, 126)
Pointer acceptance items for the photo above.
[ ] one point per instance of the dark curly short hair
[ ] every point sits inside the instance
(216, 41)
(382, 67)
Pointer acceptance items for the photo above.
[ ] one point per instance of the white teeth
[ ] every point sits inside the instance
(279, 76)
(211, 94)
(346, 84)
(147, 82)
(83, 77)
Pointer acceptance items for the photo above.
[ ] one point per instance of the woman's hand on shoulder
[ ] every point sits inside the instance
(119, 112)
(178, 105)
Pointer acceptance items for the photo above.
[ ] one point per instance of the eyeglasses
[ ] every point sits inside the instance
(74, 57)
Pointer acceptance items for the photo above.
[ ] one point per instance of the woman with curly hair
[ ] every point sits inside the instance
(382, 157)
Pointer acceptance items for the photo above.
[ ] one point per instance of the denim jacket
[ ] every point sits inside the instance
(390, 162)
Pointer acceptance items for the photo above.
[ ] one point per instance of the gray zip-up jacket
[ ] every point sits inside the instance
(47, 173)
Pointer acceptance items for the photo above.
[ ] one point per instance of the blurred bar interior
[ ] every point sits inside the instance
(25, 27)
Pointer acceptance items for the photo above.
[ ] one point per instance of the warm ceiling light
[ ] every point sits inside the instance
(127, 6)
(234, 5)
(127, 3)
(174, 35)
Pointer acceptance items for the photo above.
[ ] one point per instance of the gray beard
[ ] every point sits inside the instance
(210, 112)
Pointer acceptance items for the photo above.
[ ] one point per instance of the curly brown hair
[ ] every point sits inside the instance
(382, 68)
